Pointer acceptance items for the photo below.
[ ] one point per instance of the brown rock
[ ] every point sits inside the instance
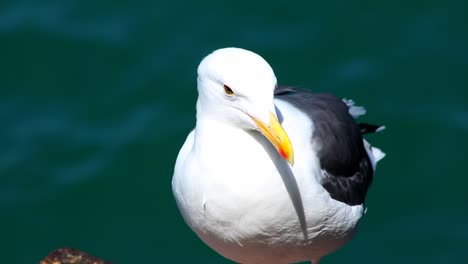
(71, 256)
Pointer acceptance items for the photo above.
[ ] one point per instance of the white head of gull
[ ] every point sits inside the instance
(236, 88)
(238, 183)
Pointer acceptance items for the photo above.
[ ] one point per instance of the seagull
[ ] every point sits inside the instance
(271, 174)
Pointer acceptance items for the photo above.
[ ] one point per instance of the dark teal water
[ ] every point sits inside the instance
(96, 98)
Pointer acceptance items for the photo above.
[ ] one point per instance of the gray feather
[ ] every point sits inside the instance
(347, 169)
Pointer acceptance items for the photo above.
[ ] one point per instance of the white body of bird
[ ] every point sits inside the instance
(235, 190)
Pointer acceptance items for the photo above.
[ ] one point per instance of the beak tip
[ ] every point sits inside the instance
(289, 157)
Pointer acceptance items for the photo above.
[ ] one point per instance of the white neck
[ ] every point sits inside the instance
(211, 131)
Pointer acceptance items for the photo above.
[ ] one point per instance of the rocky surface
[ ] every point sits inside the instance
(71, 256)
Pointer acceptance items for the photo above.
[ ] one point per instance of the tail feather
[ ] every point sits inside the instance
(370, 128)
(375, 154)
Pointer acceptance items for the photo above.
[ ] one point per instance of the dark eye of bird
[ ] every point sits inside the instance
(228, 91)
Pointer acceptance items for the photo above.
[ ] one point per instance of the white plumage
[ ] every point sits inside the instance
(235, 190)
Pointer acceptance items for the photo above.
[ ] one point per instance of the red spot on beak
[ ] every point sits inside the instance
(283, 154)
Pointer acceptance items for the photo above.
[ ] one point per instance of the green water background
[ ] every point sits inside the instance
(96, 98)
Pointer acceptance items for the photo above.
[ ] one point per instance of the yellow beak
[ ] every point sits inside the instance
(275, 133)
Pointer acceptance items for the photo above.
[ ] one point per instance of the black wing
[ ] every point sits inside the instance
(347, 168)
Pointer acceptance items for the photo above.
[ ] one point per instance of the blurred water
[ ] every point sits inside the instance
(97, 98)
